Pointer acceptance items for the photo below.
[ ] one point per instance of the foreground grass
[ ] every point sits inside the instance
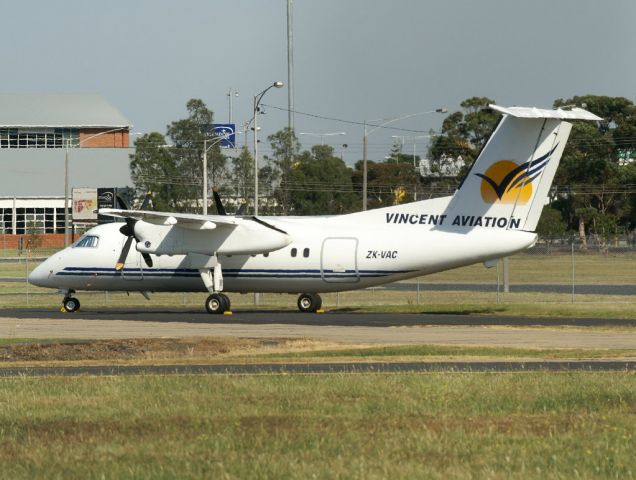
(532, 425)
(451, 352)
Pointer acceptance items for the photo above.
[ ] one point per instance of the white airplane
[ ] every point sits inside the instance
(493, 214)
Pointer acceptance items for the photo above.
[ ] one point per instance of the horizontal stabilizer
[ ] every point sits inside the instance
(532, 112)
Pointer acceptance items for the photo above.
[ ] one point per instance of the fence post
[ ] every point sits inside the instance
(506, 275)
(418, 290)
(573, 269)
(498, 280)
(26, 278)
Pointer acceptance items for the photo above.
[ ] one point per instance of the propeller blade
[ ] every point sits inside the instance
(125, 230)
(147, 258)
(146, 201)
(128, 230)
(241, 209)
(124, 253)
(122, 203)
(219, 204)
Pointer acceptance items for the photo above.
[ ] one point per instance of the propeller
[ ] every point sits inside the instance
(128, 230)
(219, 204)
(221, 209)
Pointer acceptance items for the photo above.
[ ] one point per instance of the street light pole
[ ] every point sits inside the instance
(66, 217)
(205, 168)
(232, 92)
(205, 176)
(364, 168)
(257, 100)
(364, 146)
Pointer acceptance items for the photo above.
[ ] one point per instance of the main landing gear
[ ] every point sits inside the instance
(69, 303)
(309, 302)
(217, 303)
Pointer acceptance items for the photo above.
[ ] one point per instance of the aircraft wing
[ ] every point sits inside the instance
(157, 232)
(183, 220)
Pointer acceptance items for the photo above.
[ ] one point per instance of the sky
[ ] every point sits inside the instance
(354, 60)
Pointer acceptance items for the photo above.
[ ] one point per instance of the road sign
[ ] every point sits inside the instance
(227, 132)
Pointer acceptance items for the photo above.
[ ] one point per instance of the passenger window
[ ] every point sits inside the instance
(87, 241)
(293, 252)
(306, 252)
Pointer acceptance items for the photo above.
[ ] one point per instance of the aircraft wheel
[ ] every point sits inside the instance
(309, 302)
(70, 304)
(228, 303)
(216, 303)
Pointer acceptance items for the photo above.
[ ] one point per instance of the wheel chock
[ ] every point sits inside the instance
(320, 310)
(228, 312)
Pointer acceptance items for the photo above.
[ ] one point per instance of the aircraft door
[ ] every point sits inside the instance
(338, 261)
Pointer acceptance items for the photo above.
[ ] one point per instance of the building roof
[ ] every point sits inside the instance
(59, 110)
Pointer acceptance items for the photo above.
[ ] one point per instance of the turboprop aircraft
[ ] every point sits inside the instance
(493, 214)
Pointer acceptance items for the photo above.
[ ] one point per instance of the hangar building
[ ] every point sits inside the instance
(35, 131)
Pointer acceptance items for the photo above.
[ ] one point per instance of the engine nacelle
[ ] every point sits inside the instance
(245, 238)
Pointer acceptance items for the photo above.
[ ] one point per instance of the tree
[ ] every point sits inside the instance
(320, 184)
(153, 170)
(387, 183)
(188, 136)
(551, 225)
(285, 149)
(243, 175)
(174, 174)
(465, 132)
(591, 176)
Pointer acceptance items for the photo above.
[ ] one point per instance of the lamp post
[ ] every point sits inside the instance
(232, 92)
(214, 142)
(322, 135)
(364, 145)
(66, 185)
(257, 101)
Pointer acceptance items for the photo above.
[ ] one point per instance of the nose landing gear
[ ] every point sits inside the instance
(69, 303)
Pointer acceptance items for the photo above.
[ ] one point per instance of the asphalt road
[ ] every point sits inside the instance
(340, 318)
(339, 327)
(320, 368)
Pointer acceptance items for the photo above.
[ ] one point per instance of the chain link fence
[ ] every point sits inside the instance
(562, 270)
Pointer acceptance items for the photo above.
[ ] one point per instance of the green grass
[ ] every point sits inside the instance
(378, 301)
(423, 351)
(441, 425)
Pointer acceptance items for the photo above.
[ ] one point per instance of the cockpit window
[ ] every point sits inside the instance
(87, 241)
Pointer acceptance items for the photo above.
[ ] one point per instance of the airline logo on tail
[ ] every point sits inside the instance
(507, 182)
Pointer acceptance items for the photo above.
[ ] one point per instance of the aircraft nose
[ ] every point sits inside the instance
(41, 275)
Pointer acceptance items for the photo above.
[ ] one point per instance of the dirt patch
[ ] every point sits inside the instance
(151, 349)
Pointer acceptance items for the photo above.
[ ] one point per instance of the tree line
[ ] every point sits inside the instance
(594, 191)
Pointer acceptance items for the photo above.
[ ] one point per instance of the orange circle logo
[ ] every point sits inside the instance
(504, 182)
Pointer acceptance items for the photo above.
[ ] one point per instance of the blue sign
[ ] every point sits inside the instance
(227, 133)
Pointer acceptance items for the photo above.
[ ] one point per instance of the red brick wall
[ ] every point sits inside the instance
(48, 241)
(118, 139)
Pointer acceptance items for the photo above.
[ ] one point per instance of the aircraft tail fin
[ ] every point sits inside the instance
(509, 182)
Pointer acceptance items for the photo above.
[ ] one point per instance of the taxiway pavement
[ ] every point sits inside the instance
(356, 328)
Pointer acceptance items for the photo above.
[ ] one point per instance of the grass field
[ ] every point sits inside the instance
(376, 300)
(442, 425)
